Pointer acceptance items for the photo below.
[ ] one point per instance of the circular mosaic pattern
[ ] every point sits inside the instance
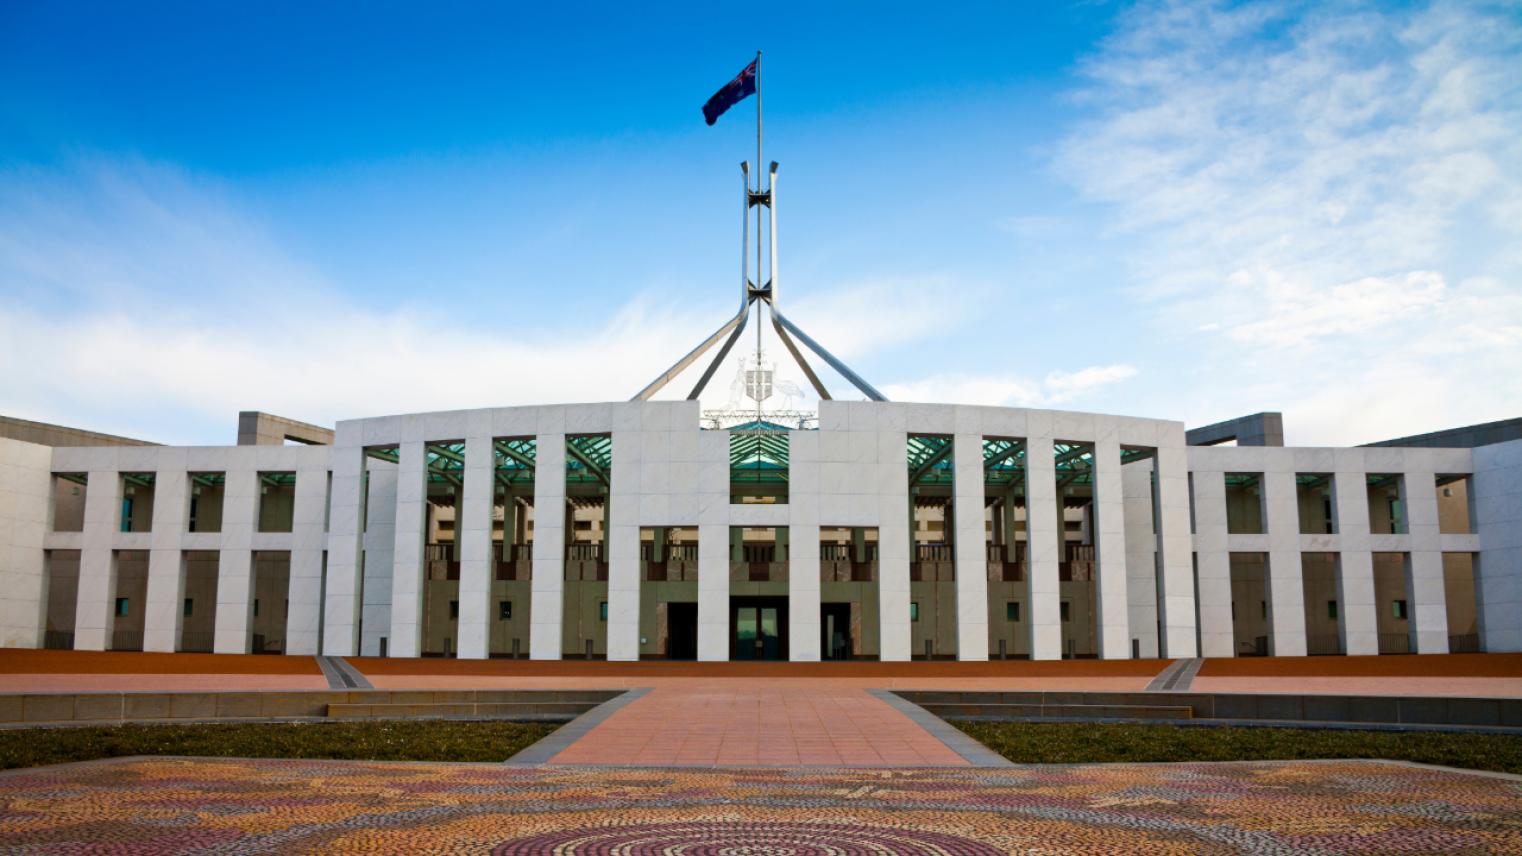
(713, 838)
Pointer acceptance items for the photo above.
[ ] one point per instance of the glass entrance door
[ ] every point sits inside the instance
(745, 633)
(758, 632)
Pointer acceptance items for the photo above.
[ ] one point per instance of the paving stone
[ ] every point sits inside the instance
(232, 806)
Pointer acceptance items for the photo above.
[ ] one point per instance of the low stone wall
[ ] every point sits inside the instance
(116, 707)
(1265, 707)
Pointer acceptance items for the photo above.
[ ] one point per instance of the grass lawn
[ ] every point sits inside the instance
(437, 740)
(1078, 743)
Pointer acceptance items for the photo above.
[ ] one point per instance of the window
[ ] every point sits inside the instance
(1398, 607)
(123, 607)
(126, 514)
(602, 611)
(190, 604)
(1065, 609)
(1331, 609)
(1012, 611)
(914, 611)
(1263, 605)
(454, 609)
(505, 610)
(256, 607)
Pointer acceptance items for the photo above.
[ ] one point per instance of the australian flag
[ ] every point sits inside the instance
(733, 92)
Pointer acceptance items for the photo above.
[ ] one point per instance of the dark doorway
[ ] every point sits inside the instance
(835, 631)
(681, 631)
(758, 628)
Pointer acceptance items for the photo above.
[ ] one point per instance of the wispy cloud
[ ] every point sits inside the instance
(1057, 388)
(143, 300)
(1326, 195)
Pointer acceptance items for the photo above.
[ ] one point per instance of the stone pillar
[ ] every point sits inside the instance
(235, 564)
(1043, 528)
(1141, 555)
(303, 620)
(1109, 507)
(548, 586)
(377, 556)
(473, 527)
(970, 551)
(1286, 580)
(622, 539)
(1498, 522)
(409, 549)
(1358, 620)
(26, 492)
(713, 545)
(94, 613)
(340, 625)
(894, 546)
(1177, 609)
(1429, 597)
(803, 588)
(164, 612)
(1217, 633)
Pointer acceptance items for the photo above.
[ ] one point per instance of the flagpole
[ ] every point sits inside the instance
(759, 171)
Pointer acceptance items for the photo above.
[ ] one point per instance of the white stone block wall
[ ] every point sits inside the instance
(1177, 566)
(303, 620)
(1424, 583)
(971, 555)
(636, 454)
(94, 617)
(1043, 550)
(667, 472)
(26, 486)
(1498, 501)
(1212, 556)
(1141, 556)
(1358, 622)
(405, 523)
(803, 533)
(340, 624)
(548, 585)
(378, 559)
(235, 563)
(163, 615)
(473, 536)
(1286, 581)
(1111, 597)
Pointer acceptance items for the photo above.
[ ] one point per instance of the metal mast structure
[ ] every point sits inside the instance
(758, 291)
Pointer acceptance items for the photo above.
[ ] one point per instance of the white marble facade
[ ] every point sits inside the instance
(1163, 587)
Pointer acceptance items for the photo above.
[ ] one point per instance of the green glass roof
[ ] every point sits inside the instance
(929, 459)
(514, 460)
(445, 461)
(589, 458)
(758, 452)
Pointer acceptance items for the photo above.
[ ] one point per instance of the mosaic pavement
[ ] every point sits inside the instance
(174, 805)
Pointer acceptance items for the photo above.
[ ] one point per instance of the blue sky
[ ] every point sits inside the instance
(1180, 210)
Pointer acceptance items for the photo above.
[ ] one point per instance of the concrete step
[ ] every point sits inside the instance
(482, 710)
(966, 710)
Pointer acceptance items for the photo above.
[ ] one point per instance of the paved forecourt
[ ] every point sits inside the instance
(169, 805)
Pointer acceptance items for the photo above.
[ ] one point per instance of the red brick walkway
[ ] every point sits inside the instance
(761, 726)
